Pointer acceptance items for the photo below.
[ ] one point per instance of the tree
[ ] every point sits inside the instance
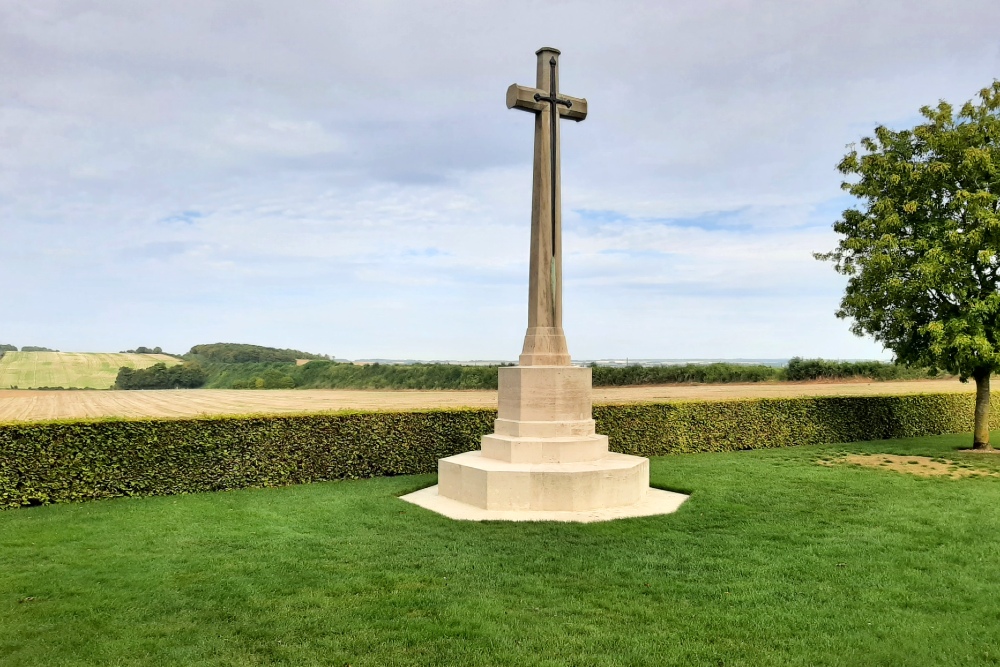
(161, 376)
(238, 353)
(922, 251)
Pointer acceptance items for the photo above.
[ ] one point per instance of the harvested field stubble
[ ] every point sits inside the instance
(41, 406)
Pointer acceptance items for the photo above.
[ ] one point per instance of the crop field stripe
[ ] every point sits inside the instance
(40, 406)
(76, 370)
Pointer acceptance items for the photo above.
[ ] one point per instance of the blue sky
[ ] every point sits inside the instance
(345, 178)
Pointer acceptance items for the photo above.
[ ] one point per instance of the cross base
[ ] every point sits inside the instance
(544, 460)
(544, 346)
(655, 503)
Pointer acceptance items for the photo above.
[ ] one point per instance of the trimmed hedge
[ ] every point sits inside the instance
(720, 426)
(54, 462)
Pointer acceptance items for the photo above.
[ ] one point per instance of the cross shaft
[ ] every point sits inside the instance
(545, 342)
(553, 99)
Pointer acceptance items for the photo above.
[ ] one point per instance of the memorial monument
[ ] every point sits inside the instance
(544, 460)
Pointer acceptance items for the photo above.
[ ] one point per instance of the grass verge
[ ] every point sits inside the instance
(774, 560)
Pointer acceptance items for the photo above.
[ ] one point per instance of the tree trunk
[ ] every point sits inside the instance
(981, 434)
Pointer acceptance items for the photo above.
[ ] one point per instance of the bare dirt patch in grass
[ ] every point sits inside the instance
(921, 466)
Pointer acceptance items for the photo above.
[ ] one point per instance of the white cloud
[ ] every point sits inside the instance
(344, 177)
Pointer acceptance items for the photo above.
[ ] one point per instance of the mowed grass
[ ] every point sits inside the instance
(774, 560)
(71, 370)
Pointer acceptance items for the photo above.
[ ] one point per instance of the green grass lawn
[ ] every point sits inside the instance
(774, 560)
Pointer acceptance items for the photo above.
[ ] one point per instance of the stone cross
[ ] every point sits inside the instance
(545, 342)
(544, 459)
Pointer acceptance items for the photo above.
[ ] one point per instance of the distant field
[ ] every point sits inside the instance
(72, 370)
(42, 405)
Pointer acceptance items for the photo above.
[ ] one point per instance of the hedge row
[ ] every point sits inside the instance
(73, 461)
(720, 426)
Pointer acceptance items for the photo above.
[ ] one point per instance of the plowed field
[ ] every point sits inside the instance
(42, 405)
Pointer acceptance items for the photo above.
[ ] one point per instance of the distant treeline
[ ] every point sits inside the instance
(323, 374)
(161, 376)
(232, 365)
(240, 366)
(26, 348)
(798, 369)
(610, 376)
(239, 353)
(821, 369)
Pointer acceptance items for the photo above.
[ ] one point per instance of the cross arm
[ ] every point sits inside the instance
(576, 112)
(523, 98)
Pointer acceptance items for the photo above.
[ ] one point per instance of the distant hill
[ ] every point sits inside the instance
(70, 370)
(241, 353)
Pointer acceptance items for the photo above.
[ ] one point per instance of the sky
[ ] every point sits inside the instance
(345, 178)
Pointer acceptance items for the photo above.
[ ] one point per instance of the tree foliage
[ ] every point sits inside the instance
(161, 376)
(922, 251)
(611, 376)
(8, 348)
(241, 353)
(270, 378)
(322, 374)
(799, 369)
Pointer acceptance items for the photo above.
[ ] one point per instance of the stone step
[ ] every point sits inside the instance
(655, 502)
(612, 481)
(543, 429)
(545, 450)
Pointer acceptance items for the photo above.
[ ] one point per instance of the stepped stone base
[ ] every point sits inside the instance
(656, 502)
(544, 462)
(474, 479)
(545, 450)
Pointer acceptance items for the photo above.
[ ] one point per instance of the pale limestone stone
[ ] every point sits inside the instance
(656, 502)
(611, 481)
(544, 394)
(544, 341)
(544, 461)
(539, 429)
(545, 450)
